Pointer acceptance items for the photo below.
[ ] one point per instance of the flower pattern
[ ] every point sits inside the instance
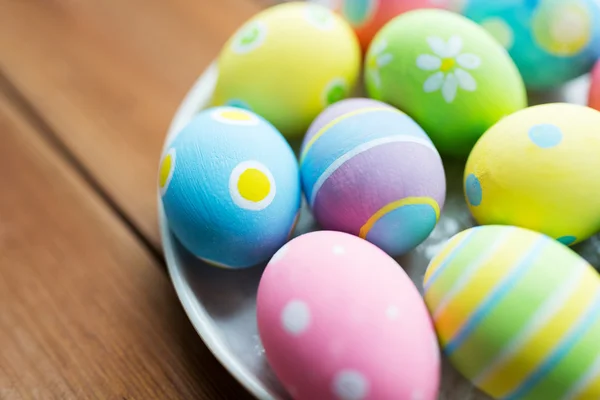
(378, 58)
(450, 66)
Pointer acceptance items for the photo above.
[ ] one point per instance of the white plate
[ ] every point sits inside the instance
(221, 304)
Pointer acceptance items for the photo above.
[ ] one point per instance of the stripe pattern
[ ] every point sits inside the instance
(517, 313)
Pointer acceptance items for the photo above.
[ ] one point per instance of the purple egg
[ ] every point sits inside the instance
(368, 169)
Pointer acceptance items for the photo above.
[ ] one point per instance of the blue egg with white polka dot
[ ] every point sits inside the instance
(551, 41)
(230, 187)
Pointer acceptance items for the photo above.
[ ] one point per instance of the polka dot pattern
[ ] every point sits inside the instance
(500, 30)
(567, 240)
(250, 37)
(335, 91)
(235, 116)
(320, 17)
(473, 190)
(545, 135)
(350, 385)
(295, 317)
(167, 167)
(252, 186)
(339, 250)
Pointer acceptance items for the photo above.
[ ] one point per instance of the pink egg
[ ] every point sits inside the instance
(594, 101)
(340, 319)
(367, 17)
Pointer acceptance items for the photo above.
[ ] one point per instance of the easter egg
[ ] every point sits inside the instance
(340, 320)
(594, 97)
(367, 17)
(230, 187)
(370, 170)
(517, 313)
(447, 73)
(287, 64)
(551, 41)
(539, 169)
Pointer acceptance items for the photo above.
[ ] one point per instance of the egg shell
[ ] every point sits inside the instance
(339, 319)
(370, 170)
(446, 72)
(517, 313)
(594, 97)
(367, 17)
(551, 41)
(230, 187)
(539, 169)
(288, 63)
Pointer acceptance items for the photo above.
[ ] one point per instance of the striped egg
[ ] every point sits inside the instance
(230, 187)
(517, 313)
(368, 169)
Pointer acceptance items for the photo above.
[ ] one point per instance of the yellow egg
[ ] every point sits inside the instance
(287, 64)
(539, 169)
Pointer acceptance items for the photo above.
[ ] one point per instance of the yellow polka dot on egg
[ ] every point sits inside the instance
(236, 115)
(165, 170)
(564, 29)
(253, 185)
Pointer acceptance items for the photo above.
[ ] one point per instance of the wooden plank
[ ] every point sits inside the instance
(85, 312)
(108, 75)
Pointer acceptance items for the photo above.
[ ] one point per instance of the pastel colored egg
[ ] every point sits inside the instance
(340, 320)
(287, 64)
(594, 97)
(370, 170)
(367, 17)
(539, 169)
(517, 313)
(551, 41)
(447, 73)
(230, 187)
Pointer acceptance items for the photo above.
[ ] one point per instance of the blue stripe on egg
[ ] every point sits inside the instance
(348, 134)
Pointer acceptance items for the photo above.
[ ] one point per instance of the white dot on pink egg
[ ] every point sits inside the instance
(295, 317)
(350, 385)
(339, 250)
(417, 395)
(392, 313)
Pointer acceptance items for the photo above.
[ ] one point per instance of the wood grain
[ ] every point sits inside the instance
(85, 312)
(108, 75)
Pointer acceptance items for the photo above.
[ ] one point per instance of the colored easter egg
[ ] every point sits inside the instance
(340, 320)
(517, 313)
(287, 64)
(551, 41)
(447, 73)
(539, 169)
(230, 187)
(367, 17)
(594, 97)
(370, 170)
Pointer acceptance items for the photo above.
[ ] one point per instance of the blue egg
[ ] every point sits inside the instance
(230, 187)
(551, 41)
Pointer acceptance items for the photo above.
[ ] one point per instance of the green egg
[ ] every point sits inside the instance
(447, 73)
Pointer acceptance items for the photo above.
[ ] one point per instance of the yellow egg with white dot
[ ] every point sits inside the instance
(539, 169)
(287, 64)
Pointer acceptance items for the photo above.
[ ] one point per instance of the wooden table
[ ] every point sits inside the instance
(87, 90)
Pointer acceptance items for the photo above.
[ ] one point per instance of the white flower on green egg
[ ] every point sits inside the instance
(378, 58)
(449, 66)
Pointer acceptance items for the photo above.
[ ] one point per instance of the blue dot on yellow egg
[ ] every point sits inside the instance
(545, 135)
(567, 240)
(473, 190)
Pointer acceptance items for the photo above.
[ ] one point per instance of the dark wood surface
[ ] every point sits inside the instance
(87, 90)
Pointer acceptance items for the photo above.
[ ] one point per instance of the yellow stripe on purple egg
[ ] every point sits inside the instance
(401, 225)
(358, 150)
(308, 146)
